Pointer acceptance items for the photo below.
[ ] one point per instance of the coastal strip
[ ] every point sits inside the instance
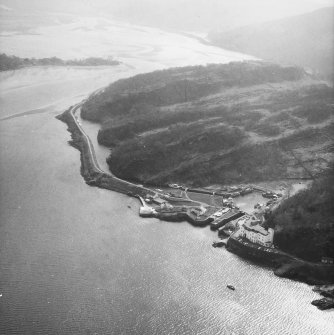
(284, 264)
(177, 210)
(90, 171)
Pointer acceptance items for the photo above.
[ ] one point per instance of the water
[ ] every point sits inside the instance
(75, 259)
(295, 188)
(246, 202)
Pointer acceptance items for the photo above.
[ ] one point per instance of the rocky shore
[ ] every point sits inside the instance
(327, 291)
(285, 265)
(288, 266)
(307, 272)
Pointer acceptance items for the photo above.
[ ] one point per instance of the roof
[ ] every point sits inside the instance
(242, 220)
(256, 229)
(158, 200)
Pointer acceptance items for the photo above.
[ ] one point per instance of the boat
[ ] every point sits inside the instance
(218, 244)
(231, 287)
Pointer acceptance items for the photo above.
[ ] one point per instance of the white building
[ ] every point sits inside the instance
(147, 211)
(255, 233)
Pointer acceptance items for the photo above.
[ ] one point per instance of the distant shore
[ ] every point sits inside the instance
(8, 63)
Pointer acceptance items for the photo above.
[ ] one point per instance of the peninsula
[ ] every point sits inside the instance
(219, 124)
(187, 129)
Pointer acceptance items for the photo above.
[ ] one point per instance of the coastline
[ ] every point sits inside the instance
(94, 176)
(90, 172)
(284, 265)
(288, 266)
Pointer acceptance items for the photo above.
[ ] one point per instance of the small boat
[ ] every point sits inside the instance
(218, 244)
(129, 206)
(231, 287)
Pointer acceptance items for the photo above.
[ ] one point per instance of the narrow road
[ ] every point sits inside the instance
(73, 110)
(89, 142)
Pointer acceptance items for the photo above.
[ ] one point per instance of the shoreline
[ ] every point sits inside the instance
(94, 176)
(285, 265)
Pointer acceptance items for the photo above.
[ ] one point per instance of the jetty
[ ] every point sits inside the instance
(145, 210)
(232, 214)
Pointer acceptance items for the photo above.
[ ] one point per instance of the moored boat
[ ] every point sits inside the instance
(218, 244)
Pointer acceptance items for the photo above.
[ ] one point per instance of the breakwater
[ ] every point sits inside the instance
(184, 216)
(90, 171)
(94, 176)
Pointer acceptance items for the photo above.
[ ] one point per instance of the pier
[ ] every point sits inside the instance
(145, 210)
(225, 218)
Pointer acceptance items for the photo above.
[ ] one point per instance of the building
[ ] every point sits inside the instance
(166, 205)
(146, 211)
(327, 260)
(158, 201)
(255, 233)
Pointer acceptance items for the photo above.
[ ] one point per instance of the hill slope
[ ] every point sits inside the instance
(238, 122)
(304, 223)
(304, 40)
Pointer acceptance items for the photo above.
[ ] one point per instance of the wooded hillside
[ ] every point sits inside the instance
(240, 122)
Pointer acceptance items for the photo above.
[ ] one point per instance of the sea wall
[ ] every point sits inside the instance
(89, 172)
(259, 255)
(184, 216)
(95, 177)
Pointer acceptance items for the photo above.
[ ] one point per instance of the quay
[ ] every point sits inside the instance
(266, 255)
(232, 214)
(145, 210)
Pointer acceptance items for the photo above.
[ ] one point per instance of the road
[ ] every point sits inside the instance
(73, 110)
(89, 142)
